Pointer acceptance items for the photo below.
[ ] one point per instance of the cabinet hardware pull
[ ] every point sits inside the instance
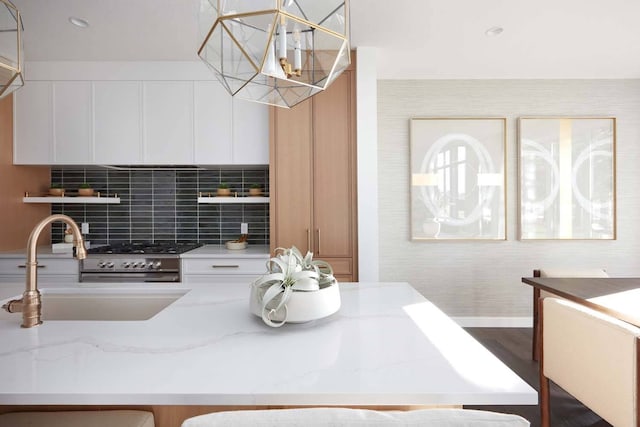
(318, 241)
(39, 266)
(225, 266)
(308, 240)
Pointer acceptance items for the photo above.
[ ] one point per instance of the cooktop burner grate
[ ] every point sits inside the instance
(146, 248)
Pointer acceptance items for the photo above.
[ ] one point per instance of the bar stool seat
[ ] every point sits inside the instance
(345, 417)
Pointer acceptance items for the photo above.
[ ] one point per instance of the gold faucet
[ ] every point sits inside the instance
(31, 304)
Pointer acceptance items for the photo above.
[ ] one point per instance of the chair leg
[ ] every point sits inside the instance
(535, 339)
(545, 410)
(544, 396)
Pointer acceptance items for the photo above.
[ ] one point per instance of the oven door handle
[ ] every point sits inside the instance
(172, 279)
(131, 278)
(224, 266)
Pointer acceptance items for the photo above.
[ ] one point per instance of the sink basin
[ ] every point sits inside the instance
(112, 305)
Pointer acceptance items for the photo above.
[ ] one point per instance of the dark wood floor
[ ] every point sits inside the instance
(513, 347)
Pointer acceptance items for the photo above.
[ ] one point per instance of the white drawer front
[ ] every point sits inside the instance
(15, 266)
(204, 280)
(225, 266)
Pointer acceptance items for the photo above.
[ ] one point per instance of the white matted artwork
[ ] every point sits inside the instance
(458, 178)
(567, 177)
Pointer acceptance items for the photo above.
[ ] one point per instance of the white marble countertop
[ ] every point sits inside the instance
(220, 251)
(206, 251)
(43, 252)
(386, 346)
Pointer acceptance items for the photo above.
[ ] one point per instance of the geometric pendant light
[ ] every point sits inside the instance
(11, 52)
(277, 52)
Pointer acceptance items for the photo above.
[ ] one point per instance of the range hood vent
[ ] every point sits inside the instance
(154, 167)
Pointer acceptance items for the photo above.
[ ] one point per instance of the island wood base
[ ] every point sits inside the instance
(174, 415)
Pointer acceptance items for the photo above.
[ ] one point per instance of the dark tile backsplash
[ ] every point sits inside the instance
(160, 204)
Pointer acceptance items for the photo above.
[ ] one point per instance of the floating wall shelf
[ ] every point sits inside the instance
(67, 199)
(250, 199)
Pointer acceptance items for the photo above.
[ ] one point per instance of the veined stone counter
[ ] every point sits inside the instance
(386, 346)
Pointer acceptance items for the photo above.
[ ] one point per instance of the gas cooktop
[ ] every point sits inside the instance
(146, 248)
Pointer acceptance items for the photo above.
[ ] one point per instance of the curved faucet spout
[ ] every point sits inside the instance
(30, 304)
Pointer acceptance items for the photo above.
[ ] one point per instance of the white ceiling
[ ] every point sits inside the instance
(421, 39)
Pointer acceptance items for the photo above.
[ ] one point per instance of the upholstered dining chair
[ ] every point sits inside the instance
(592, 356)
(537, 294)
(345, 417)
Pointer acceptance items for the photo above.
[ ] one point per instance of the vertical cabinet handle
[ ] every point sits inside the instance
(318, 241)
(308, 240)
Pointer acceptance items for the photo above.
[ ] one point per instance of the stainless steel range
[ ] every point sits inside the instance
(134, 262)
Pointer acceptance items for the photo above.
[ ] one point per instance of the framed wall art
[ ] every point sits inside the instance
(458, 178)
(567, 177)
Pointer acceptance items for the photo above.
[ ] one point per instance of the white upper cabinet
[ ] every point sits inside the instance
(250, 133)
(72, 123)
(212, 130)
(135, 114)
(117, 123)
(167, 112)
(33, 125)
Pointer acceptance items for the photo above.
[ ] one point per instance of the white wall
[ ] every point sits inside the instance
(366, 92)
(482, 279)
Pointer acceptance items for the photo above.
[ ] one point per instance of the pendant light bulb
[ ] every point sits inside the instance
(282, 39)
(297, 54)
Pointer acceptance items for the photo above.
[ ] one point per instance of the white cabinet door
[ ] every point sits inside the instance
(117, 122)
(33, 131)
(72, 123)
(61, 270)
(213, 114)
(168, 122)
(199, 272)
(250, 133)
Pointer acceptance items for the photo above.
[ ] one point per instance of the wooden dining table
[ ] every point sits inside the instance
(618, 297)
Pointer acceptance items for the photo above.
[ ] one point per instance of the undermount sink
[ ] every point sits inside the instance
(103, 305)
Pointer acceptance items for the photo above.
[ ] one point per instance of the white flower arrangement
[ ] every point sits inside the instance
(289, 273)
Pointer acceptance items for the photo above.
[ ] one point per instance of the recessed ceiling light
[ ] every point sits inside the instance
(78, 22)
(494, 31)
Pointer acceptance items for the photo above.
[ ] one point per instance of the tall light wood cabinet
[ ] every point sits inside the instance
(313, 177)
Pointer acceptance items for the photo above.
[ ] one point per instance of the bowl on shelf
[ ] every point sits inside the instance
(255, 191)
(235, 245)
(57, 192)
(85, 192)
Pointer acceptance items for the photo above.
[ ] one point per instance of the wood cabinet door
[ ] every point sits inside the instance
(333, 189)
(291, 175)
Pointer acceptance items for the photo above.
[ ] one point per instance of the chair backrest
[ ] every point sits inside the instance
(592, 356)
(570, 272)
(345, 417)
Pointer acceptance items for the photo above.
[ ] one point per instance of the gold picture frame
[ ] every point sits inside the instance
(567, 178)
(458, 181)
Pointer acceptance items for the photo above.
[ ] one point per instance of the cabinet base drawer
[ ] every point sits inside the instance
(341, 266)
(225, 266)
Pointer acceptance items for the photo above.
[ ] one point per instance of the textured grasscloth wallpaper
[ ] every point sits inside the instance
(483, 278)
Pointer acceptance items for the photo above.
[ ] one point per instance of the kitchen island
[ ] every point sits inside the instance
(387, 346)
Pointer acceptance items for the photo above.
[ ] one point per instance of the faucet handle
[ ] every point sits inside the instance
(13, 306)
